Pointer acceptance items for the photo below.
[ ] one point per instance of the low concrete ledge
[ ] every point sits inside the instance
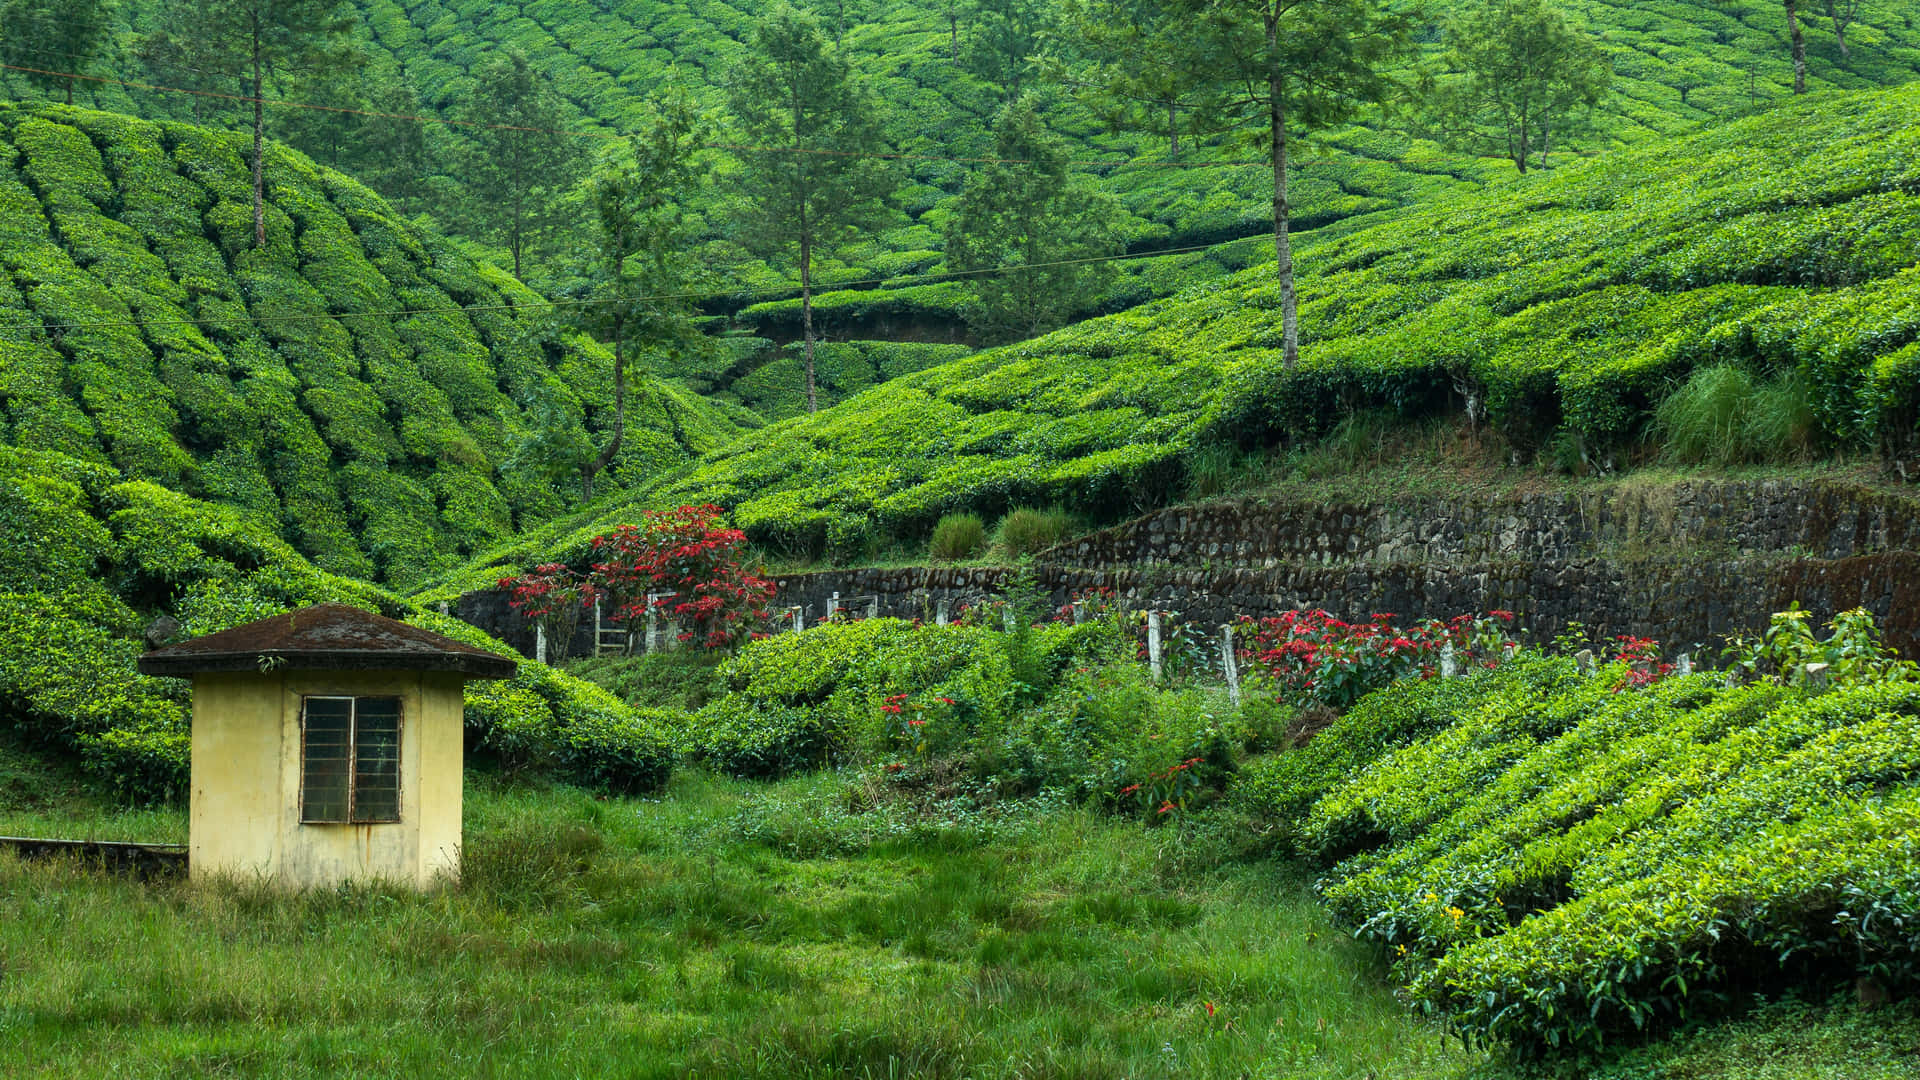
(122, 856)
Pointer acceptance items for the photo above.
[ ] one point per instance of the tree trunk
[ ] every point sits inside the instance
(953, 33)
(1282, 208)
(259, 137)
(1799, 47)
(806, 312)
(1839, 31)
(606, 456)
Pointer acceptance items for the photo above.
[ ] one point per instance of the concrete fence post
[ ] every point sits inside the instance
(1448, 666)
(833, 606)
(799, 618)
(597, 633)
(1079, 612)
(1683, 664)
(873, 607)
(1230, 664)
(539, 643)
(1153, 644)
(940, 612)
(1583, 661)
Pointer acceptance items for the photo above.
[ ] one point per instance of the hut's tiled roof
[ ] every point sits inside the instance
(326, 637)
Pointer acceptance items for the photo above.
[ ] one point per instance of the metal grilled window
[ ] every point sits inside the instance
(350, 759)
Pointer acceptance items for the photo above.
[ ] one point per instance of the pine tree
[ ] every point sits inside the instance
(51, 36)
(1523, 74)
(1029, 222)
(260, 39)
(810, 126)
(1262, 72)
(638, 198)
(522, 160)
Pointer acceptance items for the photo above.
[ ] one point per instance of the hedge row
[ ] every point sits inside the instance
(87, 561)
(1569, 302)
(1555, 863)
(386, 447)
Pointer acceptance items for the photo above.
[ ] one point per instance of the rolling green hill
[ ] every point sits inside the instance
(1568, 303)
(388, 403)
(1678, 64)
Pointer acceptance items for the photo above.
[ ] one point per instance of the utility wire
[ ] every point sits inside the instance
(279, 103)
(952, 275)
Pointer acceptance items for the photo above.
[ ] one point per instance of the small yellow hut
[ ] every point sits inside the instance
(327, 747)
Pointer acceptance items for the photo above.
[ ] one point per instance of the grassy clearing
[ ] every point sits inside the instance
(727, 929)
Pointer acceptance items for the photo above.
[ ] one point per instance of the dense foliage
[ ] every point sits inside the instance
(1557, 860)
(944, 68)
(88, 561)
(1564, 306)
(140, 329)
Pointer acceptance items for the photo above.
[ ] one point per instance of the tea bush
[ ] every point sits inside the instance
(1567, 308)
(1557, 861)
(386, 448)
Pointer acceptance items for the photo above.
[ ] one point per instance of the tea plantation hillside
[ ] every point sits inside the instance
(96, 568)
(1566, 303)
(388, 403)
(1678, 65)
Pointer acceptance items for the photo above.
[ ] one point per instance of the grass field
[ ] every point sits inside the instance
(741, 929)
(727, 929)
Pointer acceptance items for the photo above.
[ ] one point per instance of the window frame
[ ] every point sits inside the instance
(352, 759)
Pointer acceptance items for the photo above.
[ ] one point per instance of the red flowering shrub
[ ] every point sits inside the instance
(1312, 654)
(1642, 657)
(691, 562)
(553, 596)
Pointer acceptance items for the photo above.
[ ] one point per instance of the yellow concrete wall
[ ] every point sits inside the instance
(244, 815)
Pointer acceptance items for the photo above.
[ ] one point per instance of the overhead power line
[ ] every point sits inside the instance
(611, 136)
(896, 282)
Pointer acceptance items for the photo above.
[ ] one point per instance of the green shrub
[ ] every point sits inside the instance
(146, 764)
(1557, 860)
(763, 741)
(1025, 531)
(957, 536)
(672, 679)
(626, 751)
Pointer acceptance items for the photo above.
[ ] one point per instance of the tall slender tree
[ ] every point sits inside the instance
(49, 36)
(1005, 39)
(1843, 13)
(1520, 74)
(1264, 71)
(638, 197)
(522, 159)
(1797, 41)
(261, 39)
(809, 127)
(1038, 230)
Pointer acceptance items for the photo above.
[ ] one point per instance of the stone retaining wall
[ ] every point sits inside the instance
(1815, 518)
(1688, 564)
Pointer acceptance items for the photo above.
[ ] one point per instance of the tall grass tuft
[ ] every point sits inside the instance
(1724, 415)
(1025, 530)
(958, 536)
